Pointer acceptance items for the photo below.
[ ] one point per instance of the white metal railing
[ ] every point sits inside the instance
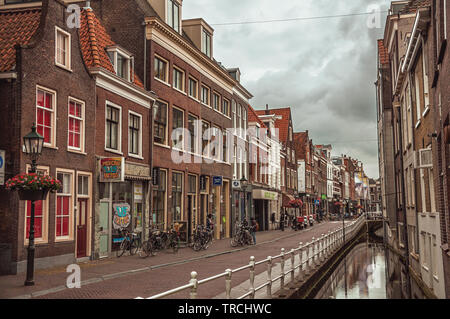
(310, 256)
(374, 215)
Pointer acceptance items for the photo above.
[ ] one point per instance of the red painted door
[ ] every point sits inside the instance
(82, 227)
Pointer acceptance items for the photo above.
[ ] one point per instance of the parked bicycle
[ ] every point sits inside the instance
(131, 242)
(173, 241)
(160, 240)
(242, 236)
(203, 238)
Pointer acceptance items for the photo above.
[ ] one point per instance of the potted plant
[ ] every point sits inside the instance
(32, 186)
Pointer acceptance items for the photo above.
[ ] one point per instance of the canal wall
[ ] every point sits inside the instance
(314, 281)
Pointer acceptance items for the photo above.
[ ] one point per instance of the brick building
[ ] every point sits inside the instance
(43, 80)
(304, 152)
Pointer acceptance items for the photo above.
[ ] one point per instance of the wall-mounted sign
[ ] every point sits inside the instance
(217, 180)
(122, 216)
(2, 167)
(138, 191)
(236, 184)
(112, 169)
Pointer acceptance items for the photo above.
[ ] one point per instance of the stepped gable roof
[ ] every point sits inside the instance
(17, 27)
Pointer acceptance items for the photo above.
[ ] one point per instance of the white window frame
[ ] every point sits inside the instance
(166, 140)
(183, 127)
(68, 53)
(196, 87)
(130, 62)
(208, 104)
(119, 137)
(139, 155)
(52, 143)
(71, 236)
(183, 85)
(166, 71)
(174, 3)
(219, 100)
(81, 149)
(206, 46)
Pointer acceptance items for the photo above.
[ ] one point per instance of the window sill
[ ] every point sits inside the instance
(161, 81)
(135, 156)
(433, 214)
(76, 151)
(194, 98)
(208, 106)
(179, 91)
(65, 68)
(427, 110)
(63, 240)
(162, 145)
(113, 151)
(425, 268)
(436, 278)
(415, 256)
(51, 147)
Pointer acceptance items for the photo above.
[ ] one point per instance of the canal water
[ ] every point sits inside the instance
(369, 271)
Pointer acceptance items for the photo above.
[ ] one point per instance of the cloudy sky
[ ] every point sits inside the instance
(324, 69)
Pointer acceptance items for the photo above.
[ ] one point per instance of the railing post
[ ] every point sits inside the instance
(282, 269)
(321, 241)
(300, 255)
(193, 293)
(316, 255)
(327, 242)
(228, 283)
(292, 265)
(252, 276)
(313, 253)
(307, 259)
(269, 276)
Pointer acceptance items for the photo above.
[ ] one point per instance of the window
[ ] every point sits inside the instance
(113, 115)
(205, 95)
(206, 43)
(135, 134)
(193, 88)
(76, 125)
(40, 214)
(159, 198)
(173, 15)
(83, 185)
(216, 102)
(122, 62)
(177, 195)
(225, 145)
(205, 138)
(177, 127)
(45, 115)
(178, 79)
(226, 107)
(62, 48)
(233, 110)
(160, 69)
(160, 123)
(64, 206)
(215, 142)
(193, 129)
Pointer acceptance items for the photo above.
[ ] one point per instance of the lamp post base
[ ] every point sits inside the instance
(29, 283)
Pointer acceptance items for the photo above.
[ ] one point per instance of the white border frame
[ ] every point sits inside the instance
(68, 52)
(119, 138)
(71, 236)
(138, 156)
(83, 128)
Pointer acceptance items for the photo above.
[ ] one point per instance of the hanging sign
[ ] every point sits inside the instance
(217, 180)
(112, 169)
(122, 216)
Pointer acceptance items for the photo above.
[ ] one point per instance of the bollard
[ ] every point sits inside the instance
(300, 256)
(228, 283)
(252, 276)
(292, 265)
(193, 293)
(269, 276)
(282, 269)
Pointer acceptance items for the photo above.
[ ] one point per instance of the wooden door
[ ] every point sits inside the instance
(82, 227)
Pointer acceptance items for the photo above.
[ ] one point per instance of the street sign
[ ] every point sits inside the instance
(217, 180)
(236, 184)
(2, 167)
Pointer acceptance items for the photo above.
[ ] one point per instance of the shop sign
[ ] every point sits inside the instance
(317, 202)
(112, 169)
(122, 216)
(138, 191)
(270, 195)
(236, 184)
(2, 167)
(324, 197)
(217, 180)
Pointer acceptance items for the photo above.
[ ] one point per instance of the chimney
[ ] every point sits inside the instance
(88, 4)
(267, 109)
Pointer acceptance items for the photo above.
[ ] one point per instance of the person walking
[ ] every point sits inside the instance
(282, 221)
(254, 228)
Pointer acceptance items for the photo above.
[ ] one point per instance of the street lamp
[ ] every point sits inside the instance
(32, 146)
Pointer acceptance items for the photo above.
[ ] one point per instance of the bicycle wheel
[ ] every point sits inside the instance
(123, 247)
(145, 250)
(133, 247)
(197, 244)
(175, 243)
(235, 241)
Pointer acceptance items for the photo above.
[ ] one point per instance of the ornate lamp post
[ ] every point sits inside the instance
(32, 145)
(244, 186)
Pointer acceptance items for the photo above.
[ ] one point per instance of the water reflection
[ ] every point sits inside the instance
(361, 275)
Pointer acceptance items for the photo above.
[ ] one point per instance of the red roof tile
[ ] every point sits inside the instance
(413, 5)
(94, 40)
(16, 27)
(253, 117)
(281, 124)
(383, 52)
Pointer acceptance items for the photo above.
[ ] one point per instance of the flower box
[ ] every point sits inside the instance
(26, 194)
(33, 186)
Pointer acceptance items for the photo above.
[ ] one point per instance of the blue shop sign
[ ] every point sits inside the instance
(217, 180)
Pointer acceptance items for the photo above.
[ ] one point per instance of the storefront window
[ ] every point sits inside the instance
(177, 195)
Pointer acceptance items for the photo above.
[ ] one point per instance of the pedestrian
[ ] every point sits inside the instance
(253, 229)
(209, 222)
(272, 220)
(282, 221)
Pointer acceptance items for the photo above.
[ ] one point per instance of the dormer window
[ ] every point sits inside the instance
(122, 62)
(173, 15)
(206, 43)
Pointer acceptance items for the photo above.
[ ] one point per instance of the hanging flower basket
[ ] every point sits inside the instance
(32, 186)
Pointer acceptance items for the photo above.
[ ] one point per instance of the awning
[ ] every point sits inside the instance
(286, 199)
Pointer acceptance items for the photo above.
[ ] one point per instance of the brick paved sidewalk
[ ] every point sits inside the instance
(53, 280)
